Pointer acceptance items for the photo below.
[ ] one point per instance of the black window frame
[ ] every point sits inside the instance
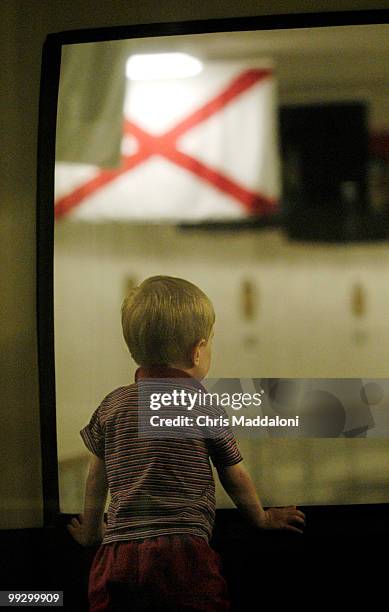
(51, 59)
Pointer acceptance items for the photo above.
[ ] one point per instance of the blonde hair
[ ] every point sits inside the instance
(163, 319)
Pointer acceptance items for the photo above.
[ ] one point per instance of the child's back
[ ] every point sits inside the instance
(155, 552)
(160, 484)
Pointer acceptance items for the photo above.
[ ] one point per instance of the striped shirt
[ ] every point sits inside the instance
(158, 485)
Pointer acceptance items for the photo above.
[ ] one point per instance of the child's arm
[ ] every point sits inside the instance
(88, 529)
(238, 484)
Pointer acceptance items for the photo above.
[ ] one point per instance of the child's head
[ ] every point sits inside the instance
(168, 321)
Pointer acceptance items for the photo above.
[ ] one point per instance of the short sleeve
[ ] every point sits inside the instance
(224, 451)
(93, 435)
(222, 445)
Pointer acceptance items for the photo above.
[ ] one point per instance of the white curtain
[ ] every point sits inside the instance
(90, 103)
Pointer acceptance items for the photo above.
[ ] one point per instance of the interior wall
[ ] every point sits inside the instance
(21, 47)
(304, 327)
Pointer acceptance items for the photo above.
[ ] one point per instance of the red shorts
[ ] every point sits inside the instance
(174, 573)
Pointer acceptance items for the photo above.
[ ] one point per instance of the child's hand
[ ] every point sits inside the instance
(286, 519)
(77, 530)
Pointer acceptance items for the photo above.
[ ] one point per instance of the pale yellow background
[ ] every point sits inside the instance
(21, 50)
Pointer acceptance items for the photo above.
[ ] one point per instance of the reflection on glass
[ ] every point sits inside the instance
(243, 142)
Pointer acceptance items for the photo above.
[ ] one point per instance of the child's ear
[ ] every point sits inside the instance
(196, 353)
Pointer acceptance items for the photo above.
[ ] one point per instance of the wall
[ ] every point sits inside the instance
(304, 326)
(21, 45)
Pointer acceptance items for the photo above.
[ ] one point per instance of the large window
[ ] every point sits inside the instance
(206, 176)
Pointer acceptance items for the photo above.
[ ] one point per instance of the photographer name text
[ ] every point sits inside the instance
(234, 420)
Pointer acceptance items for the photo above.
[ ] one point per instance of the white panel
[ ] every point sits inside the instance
(304, 328)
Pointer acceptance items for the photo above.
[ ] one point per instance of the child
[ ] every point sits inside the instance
(155, 552)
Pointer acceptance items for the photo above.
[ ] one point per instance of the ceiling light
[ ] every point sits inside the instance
(155, 66)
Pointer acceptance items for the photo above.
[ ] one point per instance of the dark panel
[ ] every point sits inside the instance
(324, 150)
(340, 557)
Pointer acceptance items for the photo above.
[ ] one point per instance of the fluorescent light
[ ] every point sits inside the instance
(155, 66)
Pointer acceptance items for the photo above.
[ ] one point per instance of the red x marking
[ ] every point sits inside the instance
(165, 145)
